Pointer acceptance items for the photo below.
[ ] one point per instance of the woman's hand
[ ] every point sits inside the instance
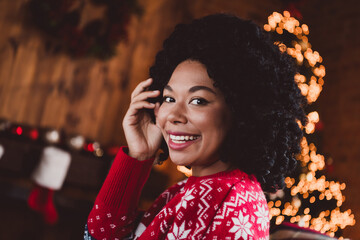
(142, 135)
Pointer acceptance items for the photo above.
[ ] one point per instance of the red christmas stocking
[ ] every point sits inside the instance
(49, 177)
(42, 200)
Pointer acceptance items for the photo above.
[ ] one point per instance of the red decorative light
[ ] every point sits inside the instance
(34, 134)
(19, 130)
(90, 147)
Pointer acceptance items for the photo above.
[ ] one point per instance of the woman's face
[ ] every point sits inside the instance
(194, 119)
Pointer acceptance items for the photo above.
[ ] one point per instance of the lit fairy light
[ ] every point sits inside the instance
(313, 118)
(77, 142)
(52, 136)
(328, 222)
(300, 50)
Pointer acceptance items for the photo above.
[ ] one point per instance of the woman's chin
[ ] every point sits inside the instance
(180, 160)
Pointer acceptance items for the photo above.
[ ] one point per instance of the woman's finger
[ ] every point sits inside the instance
(145, 95)
(135, 107)
(141, 87)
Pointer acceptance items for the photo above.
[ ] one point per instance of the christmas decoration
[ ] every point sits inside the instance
(49, 176)
(60, 20)
(52, 136)
(77, 142)
(310, 200)
(23, 146)
(41, 200)
(48, 136)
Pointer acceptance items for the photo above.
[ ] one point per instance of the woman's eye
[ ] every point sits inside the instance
(168, 99)
(199, 101)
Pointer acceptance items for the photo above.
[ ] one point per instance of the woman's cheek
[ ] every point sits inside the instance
(160, 117)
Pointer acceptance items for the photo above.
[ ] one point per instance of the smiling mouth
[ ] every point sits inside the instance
(183, 138)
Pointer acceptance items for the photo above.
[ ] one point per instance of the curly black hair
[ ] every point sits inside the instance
(257, 80)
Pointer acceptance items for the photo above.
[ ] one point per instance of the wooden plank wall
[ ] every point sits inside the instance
(88, 96)
(84, 96)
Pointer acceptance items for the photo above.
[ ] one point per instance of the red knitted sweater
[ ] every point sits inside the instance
(225, 205)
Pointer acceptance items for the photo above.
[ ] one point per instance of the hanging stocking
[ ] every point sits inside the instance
(49, 177)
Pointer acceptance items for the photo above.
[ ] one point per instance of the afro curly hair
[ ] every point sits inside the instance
(257, 80)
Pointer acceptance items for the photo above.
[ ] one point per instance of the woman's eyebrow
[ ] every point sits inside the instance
(193, 89)
(197, 88)
(167, 87)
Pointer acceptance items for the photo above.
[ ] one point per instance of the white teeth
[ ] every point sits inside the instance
(182, 139)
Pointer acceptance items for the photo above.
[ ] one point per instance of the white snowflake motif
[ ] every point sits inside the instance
(241, 226)
(187, 197)
(262, 217)
(178, 232)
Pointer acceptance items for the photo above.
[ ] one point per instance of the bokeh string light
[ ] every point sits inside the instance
(311, 187)
(301, 51)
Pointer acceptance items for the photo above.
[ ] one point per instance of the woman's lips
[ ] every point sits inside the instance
(179, 146)
(181, 140)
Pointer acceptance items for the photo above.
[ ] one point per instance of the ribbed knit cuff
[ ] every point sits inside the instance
(124, 182)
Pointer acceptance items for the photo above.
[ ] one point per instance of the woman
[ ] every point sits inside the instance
(223, 101)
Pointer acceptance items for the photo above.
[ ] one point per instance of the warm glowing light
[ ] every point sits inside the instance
(184, 170)
(99, 152)
(300, 78)
(309, 182)
(279, 220)
(305, 29)
(313, 117)
(52, 136)
(267, 27)
(77, 142)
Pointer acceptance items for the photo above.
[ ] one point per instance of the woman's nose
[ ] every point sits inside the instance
(177, 114)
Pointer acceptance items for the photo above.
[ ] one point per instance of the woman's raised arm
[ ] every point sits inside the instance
(115, 213)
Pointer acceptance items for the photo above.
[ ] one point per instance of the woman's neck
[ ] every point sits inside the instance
(218, 166)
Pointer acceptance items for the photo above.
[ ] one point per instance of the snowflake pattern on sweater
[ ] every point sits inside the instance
(225, 205)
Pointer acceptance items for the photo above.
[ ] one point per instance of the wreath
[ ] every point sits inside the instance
(59, 19)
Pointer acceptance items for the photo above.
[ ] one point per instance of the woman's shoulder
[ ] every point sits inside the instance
(244, 211)
(249, 190)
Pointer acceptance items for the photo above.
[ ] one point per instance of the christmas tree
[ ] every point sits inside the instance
(309, 199)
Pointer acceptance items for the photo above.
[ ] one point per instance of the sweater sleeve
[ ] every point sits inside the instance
(115, 213)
